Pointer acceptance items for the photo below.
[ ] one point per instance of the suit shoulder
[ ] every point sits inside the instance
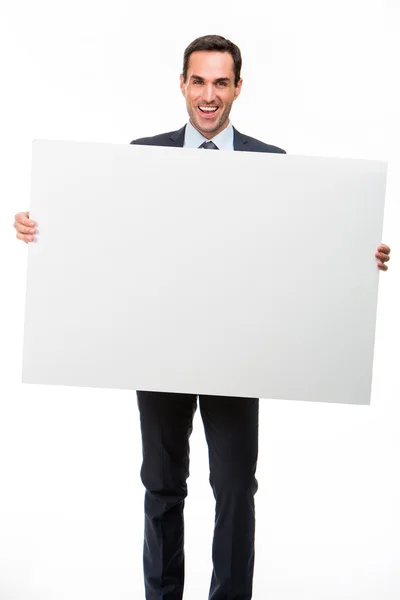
(258, 146)
(162, 139)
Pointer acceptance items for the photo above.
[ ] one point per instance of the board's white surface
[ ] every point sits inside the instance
(230, 273)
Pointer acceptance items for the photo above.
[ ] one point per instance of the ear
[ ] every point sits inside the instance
(238, 88)
(182, 85)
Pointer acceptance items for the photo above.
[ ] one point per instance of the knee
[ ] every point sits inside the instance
(166, 490)
(234, 485)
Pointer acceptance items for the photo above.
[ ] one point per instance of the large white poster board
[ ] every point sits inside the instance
(226, 273)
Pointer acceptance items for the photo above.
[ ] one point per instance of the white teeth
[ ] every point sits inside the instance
(208, 108)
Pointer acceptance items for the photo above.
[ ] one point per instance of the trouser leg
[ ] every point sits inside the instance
(231, 428)
(166, 424)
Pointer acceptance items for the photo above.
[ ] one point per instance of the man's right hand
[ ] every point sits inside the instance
(26, 228)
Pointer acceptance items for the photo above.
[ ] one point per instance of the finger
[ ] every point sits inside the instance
(22, 229)
(25, 238)
(24, 219)
(383, 257)
(384, 248)
(382, 267)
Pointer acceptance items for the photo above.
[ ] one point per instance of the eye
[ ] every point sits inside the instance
(197, 82)
(222, 83)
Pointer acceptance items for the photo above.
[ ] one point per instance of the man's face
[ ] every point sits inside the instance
(210, 84)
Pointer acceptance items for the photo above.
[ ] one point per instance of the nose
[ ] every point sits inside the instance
(209, 93)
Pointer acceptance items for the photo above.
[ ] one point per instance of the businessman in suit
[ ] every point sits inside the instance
(210, 83)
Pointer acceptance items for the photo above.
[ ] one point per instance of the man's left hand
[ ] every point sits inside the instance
(382, 254)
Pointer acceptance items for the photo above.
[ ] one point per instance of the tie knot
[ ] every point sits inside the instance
(209, 146)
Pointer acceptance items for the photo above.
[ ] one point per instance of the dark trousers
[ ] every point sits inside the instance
(231, 429)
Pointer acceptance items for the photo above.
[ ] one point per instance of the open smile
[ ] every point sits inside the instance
(208, 111)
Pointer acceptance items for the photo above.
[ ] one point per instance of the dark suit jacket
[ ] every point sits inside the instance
(241, 142)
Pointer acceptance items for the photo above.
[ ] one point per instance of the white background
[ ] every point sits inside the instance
(320, 79)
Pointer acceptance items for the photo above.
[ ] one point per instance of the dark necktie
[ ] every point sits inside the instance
(209, 146)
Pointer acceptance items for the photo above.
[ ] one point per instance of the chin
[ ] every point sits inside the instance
(210, 127)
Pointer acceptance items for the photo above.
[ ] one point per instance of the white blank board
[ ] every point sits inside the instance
(225, 273)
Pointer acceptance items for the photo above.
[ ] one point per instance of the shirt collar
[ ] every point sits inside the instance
(194, 139)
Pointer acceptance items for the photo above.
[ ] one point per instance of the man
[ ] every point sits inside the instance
(210, 83)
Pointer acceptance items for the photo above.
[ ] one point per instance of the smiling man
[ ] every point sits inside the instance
(210, 83)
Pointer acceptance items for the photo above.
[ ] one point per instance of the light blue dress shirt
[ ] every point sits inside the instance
(194, 139)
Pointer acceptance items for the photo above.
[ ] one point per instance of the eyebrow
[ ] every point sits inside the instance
(219, 80)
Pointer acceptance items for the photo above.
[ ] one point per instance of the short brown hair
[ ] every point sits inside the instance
(218, 44)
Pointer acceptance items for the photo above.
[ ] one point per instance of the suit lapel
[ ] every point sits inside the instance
(178, 137)
(239, 141)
